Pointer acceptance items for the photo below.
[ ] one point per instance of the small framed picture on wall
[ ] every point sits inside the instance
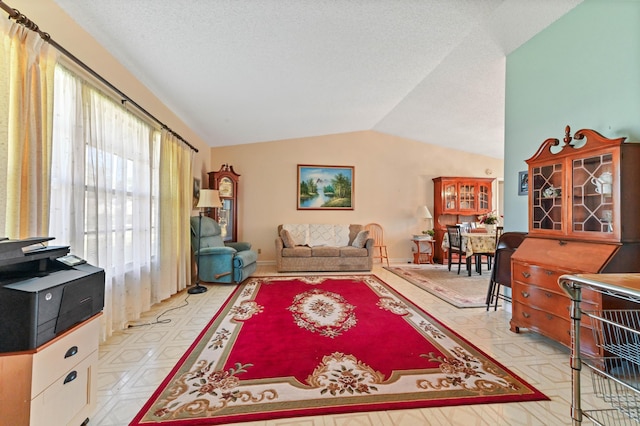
(523, 183)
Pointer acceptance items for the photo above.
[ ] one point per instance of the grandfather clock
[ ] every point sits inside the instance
(225, 181)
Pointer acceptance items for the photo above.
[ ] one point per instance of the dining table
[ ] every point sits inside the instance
(473, 244)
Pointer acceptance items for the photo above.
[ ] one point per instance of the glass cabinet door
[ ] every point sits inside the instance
(546, 197)
(484, 200)
(467, 195)
(592, 194)
(450, 197)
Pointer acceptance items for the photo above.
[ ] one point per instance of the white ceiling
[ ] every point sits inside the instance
(245, 71)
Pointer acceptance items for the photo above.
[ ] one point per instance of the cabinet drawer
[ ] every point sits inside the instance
(548, 301)
(543, 299)
(552, 326)
(547, 279)
(538, 275)
(63, 355)
(69, 400)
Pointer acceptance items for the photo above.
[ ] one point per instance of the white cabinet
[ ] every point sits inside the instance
(54, 385)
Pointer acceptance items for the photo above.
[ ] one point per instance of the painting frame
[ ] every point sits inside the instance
(339, 180)
(523, 182)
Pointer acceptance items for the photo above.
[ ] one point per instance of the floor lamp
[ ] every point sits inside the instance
(208, 198)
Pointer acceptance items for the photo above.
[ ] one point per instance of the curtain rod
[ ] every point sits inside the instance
(29, 24)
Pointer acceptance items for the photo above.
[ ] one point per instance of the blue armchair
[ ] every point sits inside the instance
(220, 262)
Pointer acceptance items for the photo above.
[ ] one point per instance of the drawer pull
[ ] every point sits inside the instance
(71, 352)
(526, 274)
(524, 294)
(562, 243)
(549, 272)
(71, 377)
(548, 294)
(549, 317)
(526, 314)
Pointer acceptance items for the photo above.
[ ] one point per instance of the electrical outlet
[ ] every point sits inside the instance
(259, 251)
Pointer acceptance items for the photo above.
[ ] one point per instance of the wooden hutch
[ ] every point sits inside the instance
(579, 222)
(457, 200)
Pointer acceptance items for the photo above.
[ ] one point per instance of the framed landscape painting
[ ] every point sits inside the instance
(325, 187)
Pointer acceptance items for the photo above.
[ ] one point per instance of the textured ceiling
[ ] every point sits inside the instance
(245, 71)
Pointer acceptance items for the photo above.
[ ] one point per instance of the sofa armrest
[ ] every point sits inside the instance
(279, 246)
(369, 246)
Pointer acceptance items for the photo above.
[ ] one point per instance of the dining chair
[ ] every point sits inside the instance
(499, 232)
(454, 233)
(377, 233)
(501, 272)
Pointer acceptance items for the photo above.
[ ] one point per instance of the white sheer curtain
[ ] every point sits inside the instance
(108, 191)
(27, 66)
(176, 195)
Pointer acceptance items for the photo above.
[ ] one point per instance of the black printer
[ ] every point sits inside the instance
(44, 291)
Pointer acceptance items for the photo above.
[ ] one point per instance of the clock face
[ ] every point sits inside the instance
(225, 187)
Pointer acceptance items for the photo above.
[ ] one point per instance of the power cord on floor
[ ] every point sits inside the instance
(165, 321)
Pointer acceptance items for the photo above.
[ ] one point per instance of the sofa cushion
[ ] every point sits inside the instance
(351, 251)
(325, 251)
(360, 239)
(287, 239)
(298, 251)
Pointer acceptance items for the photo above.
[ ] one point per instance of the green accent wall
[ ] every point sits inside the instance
(584, 71)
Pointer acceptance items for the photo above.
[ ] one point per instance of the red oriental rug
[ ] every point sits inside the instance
(301, 346)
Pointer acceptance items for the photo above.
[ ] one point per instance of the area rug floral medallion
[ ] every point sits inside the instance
(315, 345)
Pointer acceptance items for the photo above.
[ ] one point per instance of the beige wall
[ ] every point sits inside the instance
(392, 178)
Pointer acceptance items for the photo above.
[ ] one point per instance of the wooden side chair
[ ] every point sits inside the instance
(454, 233)
(379, 248)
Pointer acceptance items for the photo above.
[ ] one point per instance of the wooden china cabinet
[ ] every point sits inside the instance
(457, 200)
(580, 221)
(225, 181)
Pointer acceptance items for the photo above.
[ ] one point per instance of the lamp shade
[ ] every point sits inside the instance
(209, 198)
(423, 212)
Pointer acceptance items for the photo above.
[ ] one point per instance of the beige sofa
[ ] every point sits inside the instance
(323, 247)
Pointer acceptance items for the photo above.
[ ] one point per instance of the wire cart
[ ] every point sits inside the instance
(615, 368)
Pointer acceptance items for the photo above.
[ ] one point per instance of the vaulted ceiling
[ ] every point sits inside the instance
(245, 71)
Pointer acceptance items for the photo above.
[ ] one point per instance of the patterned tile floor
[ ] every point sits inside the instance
(133, 362)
